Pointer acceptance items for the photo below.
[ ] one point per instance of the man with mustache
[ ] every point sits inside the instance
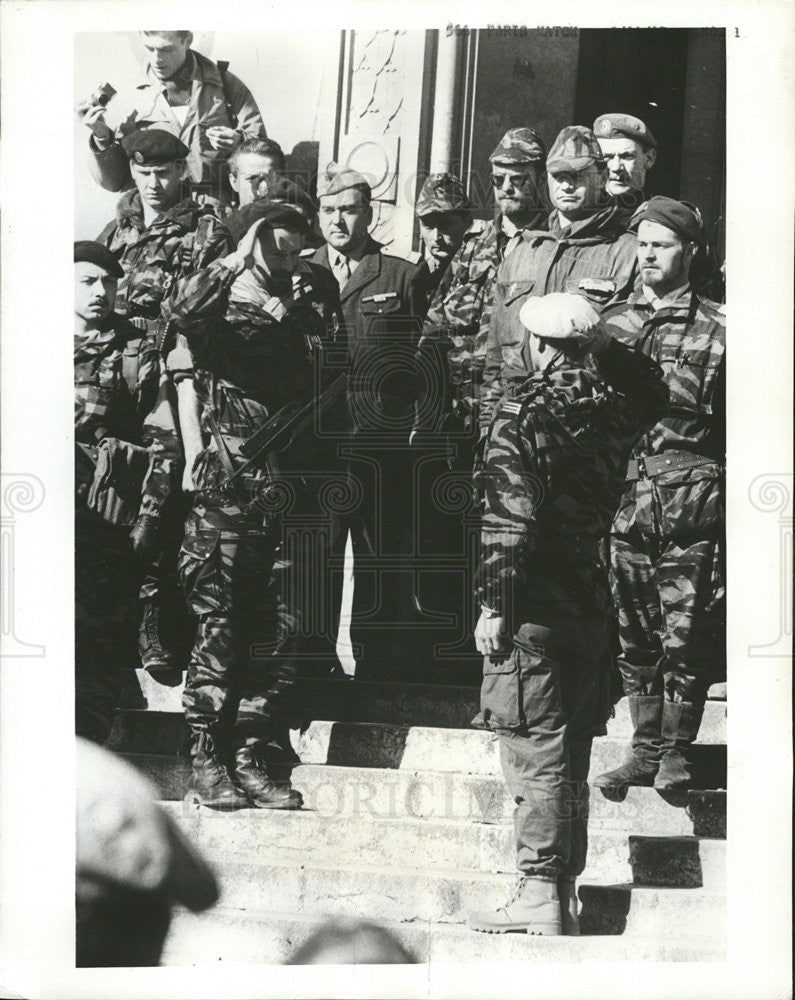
(630, 151)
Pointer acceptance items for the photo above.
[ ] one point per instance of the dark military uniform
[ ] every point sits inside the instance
(108, 404)
(553, 474)
(233, 565)
(380, 313)
(180, 241)
(667, 544)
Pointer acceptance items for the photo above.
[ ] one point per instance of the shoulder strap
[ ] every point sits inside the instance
(130, 362)
(223, 66)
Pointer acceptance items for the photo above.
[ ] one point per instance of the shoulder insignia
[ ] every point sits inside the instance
(414, 257)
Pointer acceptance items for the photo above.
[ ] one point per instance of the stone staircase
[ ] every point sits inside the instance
(407, 821)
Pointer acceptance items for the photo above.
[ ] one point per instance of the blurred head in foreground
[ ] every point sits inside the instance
(132, 865)
(351, 942)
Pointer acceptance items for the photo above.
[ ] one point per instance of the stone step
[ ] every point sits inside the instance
(402, 894)
(295, 838)
(380, 793)
(265, 937)
(449, 706)
(377, 745)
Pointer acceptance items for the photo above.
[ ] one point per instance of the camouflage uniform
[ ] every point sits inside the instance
(667, 543)
(233, 565)
(180, 241)
(108, 403)
(554, 466)
(594, 257)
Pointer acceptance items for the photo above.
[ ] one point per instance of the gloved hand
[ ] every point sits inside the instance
(145, 535)
(569, 322)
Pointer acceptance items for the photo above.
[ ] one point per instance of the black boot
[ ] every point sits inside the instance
(680, 725)
(210, 783)
(569, 908)
(161, 663)
(641, 768)
(265, 793)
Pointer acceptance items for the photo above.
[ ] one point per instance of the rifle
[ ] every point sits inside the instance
(281, 430)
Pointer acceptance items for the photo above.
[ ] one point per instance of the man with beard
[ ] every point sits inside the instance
(584, 250)
(444, 215)
(160, 234)
(254, 326)
(667, 546)
(116, 481)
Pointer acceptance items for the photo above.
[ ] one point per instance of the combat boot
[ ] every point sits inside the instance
(210, 783)
(252, 777)
(680, 725)
(641, 768)
(569, 908)
(161, 663)
(534, 908)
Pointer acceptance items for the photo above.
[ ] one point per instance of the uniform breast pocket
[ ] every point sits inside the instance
(690, 499)
(597, 288)
(513, 291)
(149, 283)
(690, 377)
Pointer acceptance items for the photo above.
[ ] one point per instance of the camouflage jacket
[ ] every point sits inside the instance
(182, 240)
(249, 364)
(457, 322)
(109, 403)
(688, 339)
(555, 463)
(594, 257)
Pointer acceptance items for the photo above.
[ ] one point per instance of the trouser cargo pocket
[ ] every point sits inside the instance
(500, 694)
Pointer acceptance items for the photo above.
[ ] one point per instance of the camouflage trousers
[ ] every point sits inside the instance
(671, 600)
(234, 581)
(546, 701)
(106, 620)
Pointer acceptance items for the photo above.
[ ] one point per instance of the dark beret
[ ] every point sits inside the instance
(96, 253)
(151, 147)
(679, 216)
(276, 215)
(284, 190)
(610, 125)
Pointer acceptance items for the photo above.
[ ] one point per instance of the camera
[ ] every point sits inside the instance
(102, 95)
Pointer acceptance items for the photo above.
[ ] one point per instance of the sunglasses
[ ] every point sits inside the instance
(516, 180)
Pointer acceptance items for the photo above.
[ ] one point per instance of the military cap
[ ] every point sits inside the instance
(575, 148)
(608, 126)
(336, 178)
(124, 840)
(149, 147)
(680, 217)
(442, 193)
(97, 253)
(520, 145)
(276, 214)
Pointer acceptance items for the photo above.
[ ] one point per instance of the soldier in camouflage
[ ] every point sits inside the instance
(444, 214)
(554, 466)
(108, 406)
(253, 322)
(159, 234)
(584, 249)
(668, 537)
(458, 318)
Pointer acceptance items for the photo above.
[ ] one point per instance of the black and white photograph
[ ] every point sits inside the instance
(416, 537)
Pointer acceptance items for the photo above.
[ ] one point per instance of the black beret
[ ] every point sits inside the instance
(680, 217)
(284, 190)
(96, 253)
(276, 214)
(150, 147)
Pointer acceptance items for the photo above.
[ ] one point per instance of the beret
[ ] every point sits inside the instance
(608, 126)
(125, 840)
(276, 215)
(336, 178)
(520, 145)
(97, 253)
(287, 191)
(575, 148)
(442, 193)
(152, 146)
(558, 315)
(679, 216)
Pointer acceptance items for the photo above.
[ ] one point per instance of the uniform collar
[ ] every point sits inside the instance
(678, 298)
